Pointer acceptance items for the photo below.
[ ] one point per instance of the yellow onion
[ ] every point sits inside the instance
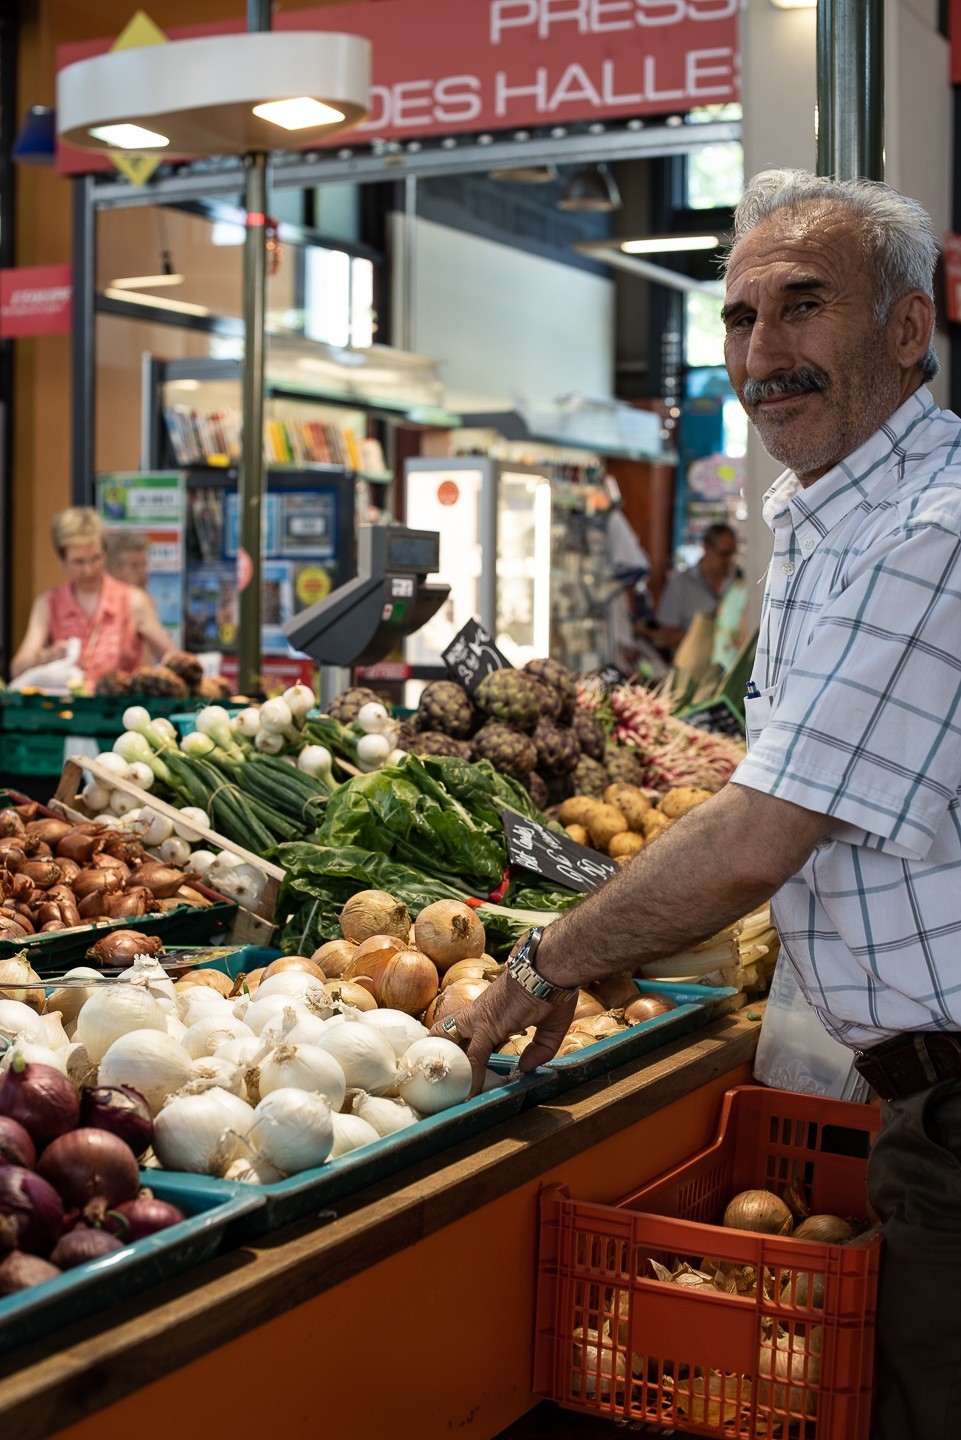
(449, 931)
(826, 1229)
(758, 1210)
(334, 957)
(376, 947)
(212, 979)
(454, 998)
(587, 1004)
(598, 1027)
(646, 1007)
(294, 962)
(484, 967)
(374, 912)
(796, 1371)
(595, 1364)
(573, 1041)
(514, 1044)
(348, 992)
(615, 991)
(406, 980)
(19, 981)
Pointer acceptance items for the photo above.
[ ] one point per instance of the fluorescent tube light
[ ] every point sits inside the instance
(671, 244)
(146, 282)
(158, 302)
(128, 137)
(298, 114)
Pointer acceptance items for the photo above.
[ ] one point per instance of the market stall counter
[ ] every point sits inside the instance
(406, 1309)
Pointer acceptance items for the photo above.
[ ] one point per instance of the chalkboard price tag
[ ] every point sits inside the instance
(609, 676)
(472, 655)
(718, 716)
(556, 857)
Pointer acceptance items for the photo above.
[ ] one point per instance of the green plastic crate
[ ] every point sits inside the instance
(75, 715)
(31, 754)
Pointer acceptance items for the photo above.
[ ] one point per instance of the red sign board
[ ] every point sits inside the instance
(36, 300)
(952, 277)
(277, 671)
(441, 67)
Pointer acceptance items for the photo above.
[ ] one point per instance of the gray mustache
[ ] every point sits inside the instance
(799, 382)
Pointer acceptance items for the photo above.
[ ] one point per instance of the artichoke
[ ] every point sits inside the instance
(622, 765)
(589, 777)
(187, 666)
(445, 706)
(157, 681)
(590, 733)
(557, 677)
(558, 748)
(113, 682)
(348, 705)
(511, 698)
(508, 750)
(537, 789)
(435, 742)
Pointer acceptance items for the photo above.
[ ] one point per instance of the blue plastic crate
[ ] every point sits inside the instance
(80, 1292)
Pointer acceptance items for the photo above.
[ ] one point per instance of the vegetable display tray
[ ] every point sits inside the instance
(75, 714)
(783, 1347)
(87, 1288)
(54, 951)
(694, 1005)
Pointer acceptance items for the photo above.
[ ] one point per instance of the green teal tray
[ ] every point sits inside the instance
(75, 715)
(82, 1291)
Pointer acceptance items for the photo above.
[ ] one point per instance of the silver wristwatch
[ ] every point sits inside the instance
(520, 967)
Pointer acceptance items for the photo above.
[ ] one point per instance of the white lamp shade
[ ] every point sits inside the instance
(200, 94)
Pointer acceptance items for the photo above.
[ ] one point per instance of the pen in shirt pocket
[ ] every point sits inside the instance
(751, 692)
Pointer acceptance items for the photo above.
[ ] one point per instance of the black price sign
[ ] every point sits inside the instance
(472, 655)
(556, 857)
(719, 717)
(609, 676)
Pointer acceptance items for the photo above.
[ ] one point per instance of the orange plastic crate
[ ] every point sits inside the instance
(794, 1359)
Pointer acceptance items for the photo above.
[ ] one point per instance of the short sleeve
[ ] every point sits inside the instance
(866, 725)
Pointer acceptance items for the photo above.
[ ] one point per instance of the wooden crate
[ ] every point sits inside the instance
(252, 927)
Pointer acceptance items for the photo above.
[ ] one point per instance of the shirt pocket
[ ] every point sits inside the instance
(757, 712)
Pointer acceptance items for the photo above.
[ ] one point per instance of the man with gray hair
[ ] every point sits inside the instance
(847, 808)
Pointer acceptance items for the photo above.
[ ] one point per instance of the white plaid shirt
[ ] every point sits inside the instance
(860, 678)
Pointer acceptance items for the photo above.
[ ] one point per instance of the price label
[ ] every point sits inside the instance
(556, 857)
(472, 655)
(719, 717)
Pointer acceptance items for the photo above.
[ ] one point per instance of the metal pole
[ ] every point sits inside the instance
(251, 482)
(850, 88)
(83, 342)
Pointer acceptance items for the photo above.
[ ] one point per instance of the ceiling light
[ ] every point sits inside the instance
(592, 187)
(128, 137)
(525, 174)
(669, 244)
(301, 113)
(794, 4)
(156, 302)
(610, 253)
(167, 276)
(199, 96)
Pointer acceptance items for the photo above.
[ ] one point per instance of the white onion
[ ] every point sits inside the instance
(176, 1028)
(54, 1035)
(295, 984)
(367, 1059)
(174, 851)
(293, 1026)
(121, 803)
(350, 1133)
(399, 1028)
(153, 1063)
(212, 1070)
(69, 999)
(244, 1050)
(190, 816)
(201, 1133)
(157, 827)
(149, 972)
(212, 1030)
(112, 1012)
(96, 796)
(201, 861)
(433, 1075)
(248, 1170)
(304, 1067)
(292, 1129)
(196, 1000)
(270, 1011)
(19, 1019)
(34, 1054)
(386, 1116)
(140, 774)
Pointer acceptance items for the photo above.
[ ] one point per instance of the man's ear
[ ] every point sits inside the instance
(910, 327)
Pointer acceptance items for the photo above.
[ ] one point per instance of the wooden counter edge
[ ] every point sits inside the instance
(78, 1370)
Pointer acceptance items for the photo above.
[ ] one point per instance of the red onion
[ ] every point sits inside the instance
(31, 1212)
(19, 1272)
(143, 1216)
(16, 1147)
(91, 1170)
(82, 1244)
(120, 1109)
(41, 1098)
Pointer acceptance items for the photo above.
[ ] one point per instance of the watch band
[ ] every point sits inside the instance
(521, 969)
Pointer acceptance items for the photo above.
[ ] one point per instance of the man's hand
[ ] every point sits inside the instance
(504, 1009)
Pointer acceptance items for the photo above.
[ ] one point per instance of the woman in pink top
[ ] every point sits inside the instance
(115, 623)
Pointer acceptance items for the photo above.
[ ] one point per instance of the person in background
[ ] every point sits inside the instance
(630, 566)
(126, 557)
(697, 590)
(116, 623)
(847, 807)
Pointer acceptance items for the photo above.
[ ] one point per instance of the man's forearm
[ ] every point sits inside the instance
(718, 863)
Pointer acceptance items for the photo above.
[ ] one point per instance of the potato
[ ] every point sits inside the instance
(575, 810)
(603, 823)
(631, 801)
(655, 823)
(578, 833)
(625, 844)
(682, 798)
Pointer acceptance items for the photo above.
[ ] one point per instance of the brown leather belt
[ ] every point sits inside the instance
(907, 1064)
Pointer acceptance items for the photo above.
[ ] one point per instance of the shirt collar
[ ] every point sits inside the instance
(854, 481)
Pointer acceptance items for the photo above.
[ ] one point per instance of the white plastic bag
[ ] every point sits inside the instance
(795, 1052)
(58, 677)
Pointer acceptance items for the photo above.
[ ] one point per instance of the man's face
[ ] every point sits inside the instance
(130, 566)
(814, 372)
(718, 559)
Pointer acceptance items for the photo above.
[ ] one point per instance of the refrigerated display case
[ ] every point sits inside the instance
(522, 552)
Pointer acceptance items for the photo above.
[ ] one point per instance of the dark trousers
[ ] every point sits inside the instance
(914, 1185)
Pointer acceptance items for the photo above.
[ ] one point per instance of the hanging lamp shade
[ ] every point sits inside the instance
(36, 142)
(201, 97)
(592, 187)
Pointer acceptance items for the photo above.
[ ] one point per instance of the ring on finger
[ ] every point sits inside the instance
(449, 1027)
